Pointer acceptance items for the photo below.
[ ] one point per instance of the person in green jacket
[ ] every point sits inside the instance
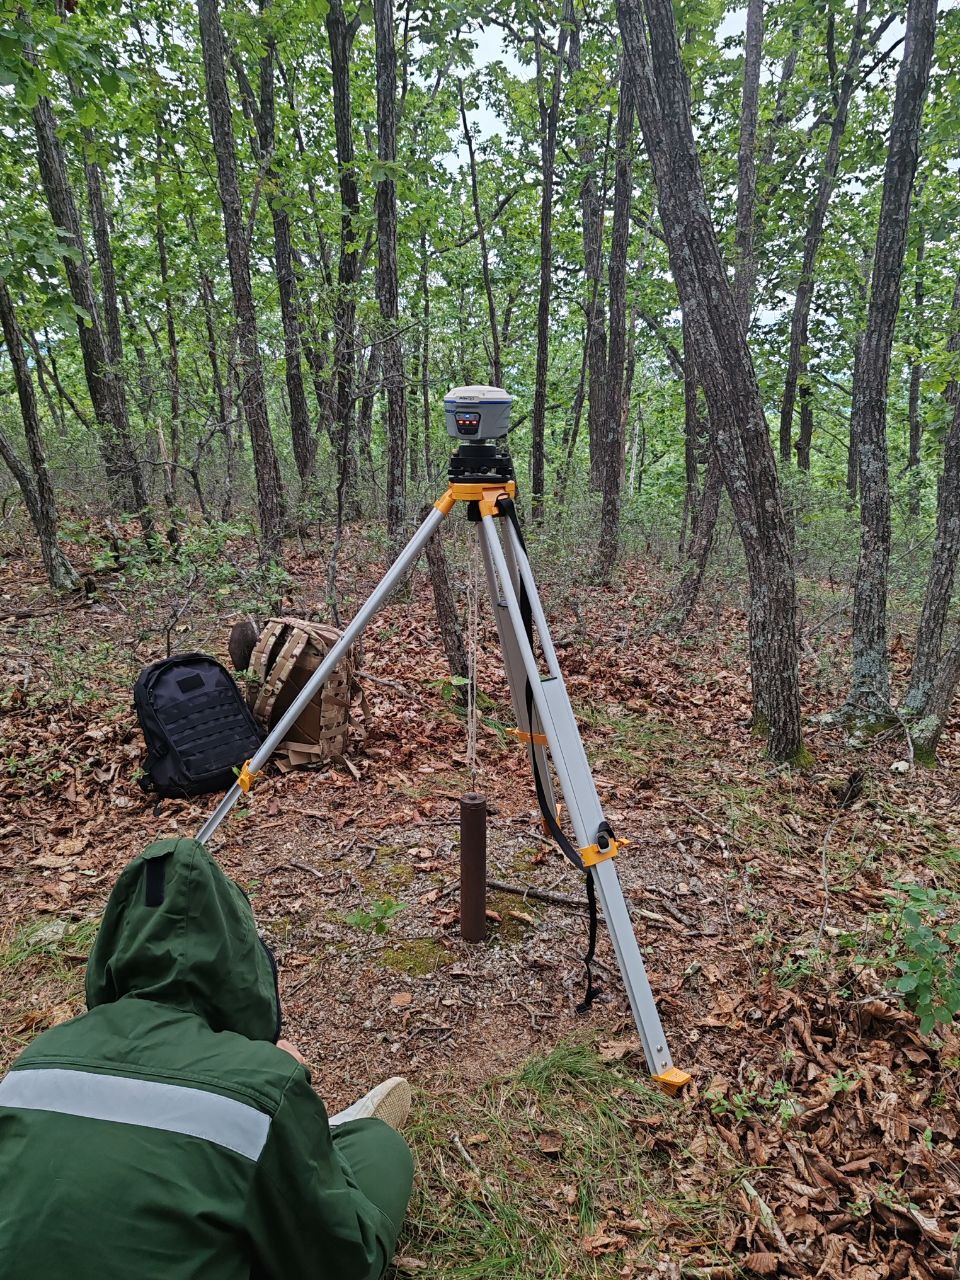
(166, 1134)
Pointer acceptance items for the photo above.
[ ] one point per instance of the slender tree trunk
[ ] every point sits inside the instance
(104, 382)
(496, 369)
(943, 570)
(302, 437)
(800, 318)
(593, 198)
(613, 442)
(745, 260)
(169, 308)
(916, 373)
(36, 488)
(805, 438)
(448, 619)
(388, 273)
(253, 393)
(425, 355)
(927, 729)
(697, 552)
(340, 34)
(737, 423)
(549, 115)
(869, 696)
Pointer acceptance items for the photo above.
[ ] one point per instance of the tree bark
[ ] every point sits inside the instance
(737, 423)
(613, 439)
(388, 274)
(745, 261)
(253, 394)
(799, 321)
(36, 488)
(869, 695)
(549, 115)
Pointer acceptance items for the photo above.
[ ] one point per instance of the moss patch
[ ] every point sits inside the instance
(390, 871)
(416, 957)
(510, 929)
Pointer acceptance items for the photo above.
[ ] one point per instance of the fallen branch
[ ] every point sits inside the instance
(767, 1218)
(395, 685)
(542, 895)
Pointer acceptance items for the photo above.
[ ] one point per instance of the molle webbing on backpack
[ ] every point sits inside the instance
(287, 653)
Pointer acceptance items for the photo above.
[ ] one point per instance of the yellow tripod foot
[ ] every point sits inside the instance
(672, 1080)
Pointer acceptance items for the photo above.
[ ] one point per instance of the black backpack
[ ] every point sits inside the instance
(196, 725)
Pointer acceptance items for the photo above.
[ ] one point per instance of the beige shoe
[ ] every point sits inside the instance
(389, 1101)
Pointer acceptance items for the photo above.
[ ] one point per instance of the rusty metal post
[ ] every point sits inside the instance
(473, 867)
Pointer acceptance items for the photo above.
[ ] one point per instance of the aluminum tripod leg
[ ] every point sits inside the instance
(513, 666)
(556, 716)
(390, 581)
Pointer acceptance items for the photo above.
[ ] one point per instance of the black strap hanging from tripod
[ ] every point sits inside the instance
(507, 507)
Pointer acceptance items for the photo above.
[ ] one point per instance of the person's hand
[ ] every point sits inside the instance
(293, 1051)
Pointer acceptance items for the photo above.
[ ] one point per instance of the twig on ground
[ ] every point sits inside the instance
(464, 1154)
(396, 686)
(824, 871)
(767, 1218)
(304, 866)
(542, 895)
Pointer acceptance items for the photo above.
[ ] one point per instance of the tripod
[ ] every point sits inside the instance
(482, 477)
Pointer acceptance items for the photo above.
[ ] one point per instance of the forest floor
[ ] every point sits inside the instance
(821, 1134)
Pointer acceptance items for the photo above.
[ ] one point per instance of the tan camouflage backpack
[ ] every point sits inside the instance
(284, 658)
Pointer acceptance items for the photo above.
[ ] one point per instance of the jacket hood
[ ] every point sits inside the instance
(177, 931)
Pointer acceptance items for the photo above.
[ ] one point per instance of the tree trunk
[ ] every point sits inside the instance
(737, 423)
(698, 551)
(943, 562)
(593, 199)
(805, 438)
(388, 274)
(425, 356)
(869, 696)
(36, 488)
(104, 382)
(745, 268)
(169, 305)
(448, 619)
(613, 440)
(253, 392)
(549, 115)
(927, 730)
(496, 369)
(340, 34)
(916, 373)
(302, 437)
(800, 318)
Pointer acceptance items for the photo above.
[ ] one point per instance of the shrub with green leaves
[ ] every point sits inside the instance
(375, 920)
(923, 934)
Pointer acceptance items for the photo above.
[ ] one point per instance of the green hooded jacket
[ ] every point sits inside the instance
(162, 1135)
